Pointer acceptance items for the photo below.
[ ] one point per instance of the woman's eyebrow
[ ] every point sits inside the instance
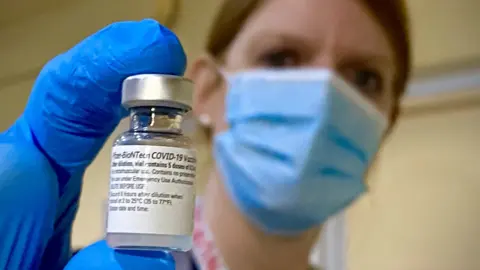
(262, 38)
(378, 60)
(280, 35)
(367, 54)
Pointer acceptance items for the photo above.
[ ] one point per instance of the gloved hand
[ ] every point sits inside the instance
(100, 256)
(72, 110)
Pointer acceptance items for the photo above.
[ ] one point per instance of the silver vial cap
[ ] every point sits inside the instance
(148, 90)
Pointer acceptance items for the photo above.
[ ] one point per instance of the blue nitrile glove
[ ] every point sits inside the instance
(100, 256)
(73, 108)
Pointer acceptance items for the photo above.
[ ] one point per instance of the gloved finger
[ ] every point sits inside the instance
(28, 204)
(101, 256)
(75, 103)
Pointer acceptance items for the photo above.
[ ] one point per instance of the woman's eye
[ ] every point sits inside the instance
(367, 81)
(280, 59)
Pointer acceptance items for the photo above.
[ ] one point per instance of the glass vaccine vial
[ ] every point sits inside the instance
(152, 190)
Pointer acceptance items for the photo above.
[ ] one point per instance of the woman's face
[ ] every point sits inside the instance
(335, 34)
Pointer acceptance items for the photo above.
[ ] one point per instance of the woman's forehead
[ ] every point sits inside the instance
(345, 24)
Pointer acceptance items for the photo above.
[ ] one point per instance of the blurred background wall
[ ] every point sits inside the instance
(422, 210)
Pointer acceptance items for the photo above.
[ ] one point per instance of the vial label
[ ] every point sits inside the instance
(151, 190)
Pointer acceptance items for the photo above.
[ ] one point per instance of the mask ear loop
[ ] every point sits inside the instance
(225, 74)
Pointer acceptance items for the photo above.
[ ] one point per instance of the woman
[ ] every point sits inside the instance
(364, 41)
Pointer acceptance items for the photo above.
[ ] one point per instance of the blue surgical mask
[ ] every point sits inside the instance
(298, 146)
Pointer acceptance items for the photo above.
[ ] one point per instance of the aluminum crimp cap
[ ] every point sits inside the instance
(148, 90)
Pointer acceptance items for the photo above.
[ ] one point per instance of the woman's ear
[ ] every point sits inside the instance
(208, 96)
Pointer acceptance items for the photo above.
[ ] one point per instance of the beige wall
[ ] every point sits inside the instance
(422, 212)
(12, 101)
(444, 32)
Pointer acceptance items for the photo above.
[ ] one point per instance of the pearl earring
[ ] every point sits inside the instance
(205, 120)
